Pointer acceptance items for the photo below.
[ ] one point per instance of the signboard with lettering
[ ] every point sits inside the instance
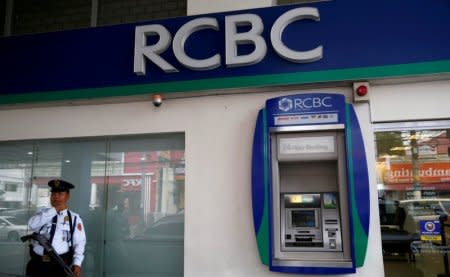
(281, 45)
(429, 172)
(430, 230)
(306, 109)
(307, 145)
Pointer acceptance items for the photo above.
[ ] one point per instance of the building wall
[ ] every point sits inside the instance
(411, 101)
(119, 11)
(2, 17)
(54, 15)
(50, 15)
(219, 235)
(204, 6)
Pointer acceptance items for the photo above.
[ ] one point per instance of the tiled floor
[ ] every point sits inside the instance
(393, 268)
(425, 265)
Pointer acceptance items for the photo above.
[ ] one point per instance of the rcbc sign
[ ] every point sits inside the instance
(287, 104)
(233, 39)
(306, 109)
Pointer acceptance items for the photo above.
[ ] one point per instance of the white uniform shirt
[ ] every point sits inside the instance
(41, 223)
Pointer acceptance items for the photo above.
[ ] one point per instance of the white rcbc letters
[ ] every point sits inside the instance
(233, 38)
(277, 31)
(182, 35)
(312, 102)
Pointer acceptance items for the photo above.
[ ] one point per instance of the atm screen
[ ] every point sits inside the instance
(303, 218)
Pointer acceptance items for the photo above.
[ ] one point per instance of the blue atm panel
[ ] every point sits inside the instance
(310, 188)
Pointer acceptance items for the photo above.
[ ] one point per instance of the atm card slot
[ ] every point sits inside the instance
(304, 238)
(331, 221)
(304, 244)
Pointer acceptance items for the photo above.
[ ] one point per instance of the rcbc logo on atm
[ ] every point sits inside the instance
(308, 103)
(285, 104)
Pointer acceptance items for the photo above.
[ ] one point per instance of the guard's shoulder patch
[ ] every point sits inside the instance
(79, 227)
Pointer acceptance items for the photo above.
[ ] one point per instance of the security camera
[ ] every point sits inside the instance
(157, 100)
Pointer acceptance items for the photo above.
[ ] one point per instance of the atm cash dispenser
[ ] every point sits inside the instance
(310, 185)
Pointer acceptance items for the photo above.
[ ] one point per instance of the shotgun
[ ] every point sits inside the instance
(48, 248)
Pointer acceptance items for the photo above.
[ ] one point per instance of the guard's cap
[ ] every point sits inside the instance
(59, 185)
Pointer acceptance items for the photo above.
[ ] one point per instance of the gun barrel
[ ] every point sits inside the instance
(26, 237)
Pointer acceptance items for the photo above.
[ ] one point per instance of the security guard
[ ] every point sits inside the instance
(65, 231)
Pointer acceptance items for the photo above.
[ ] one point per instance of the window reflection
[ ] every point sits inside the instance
(145, 222)
(129, 192)
(15, 173)
(413, 176)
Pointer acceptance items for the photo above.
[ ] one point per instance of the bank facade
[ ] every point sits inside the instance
(168, 188)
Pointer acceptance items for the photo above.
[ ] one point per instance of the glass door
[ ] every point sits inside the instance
(129, 192)
(145, 207)
(413, 175)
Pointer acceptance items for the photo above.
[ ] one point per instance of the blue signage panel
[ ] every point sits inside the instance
(306, 109)
(430, 230)
(351, 35)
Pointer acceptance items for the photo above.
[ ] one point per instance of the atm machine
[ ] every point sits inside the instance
(310, 185)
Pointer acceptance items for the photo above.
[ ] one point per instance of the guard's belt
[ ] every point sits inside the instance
(67, 257)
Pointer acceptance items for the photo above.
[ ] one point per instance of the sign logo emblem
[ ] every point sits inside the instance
(429, 226)
(285, 104)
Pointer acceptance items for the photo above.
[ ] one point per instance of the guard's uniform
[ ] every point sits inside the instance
(65, 231)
